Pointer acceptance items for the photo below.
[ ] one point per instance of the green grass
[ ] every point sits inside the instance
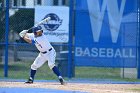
(94, 72)
(21, 70)
(101, 73)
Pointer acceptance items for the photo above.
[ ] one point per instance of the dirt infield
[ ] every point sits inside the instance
(83, 87)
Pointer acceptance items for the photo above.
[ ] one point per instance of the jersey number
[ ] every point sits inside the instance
(38, 44)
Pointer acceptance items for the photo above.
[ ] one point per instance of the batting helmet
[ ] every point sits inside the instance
(36, 29)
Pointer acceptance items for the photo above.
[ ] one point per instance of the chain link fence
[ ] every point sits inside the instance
(94, 41)
(21, 54)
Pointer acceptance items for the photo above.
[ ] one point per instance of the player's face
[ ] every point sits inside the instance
(38, 33)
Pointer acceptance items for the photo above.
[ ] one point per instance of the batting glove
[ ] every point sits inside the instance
(22, 33)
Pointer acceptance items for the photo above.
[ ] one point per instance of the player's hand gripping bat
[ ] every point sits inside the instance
(22, 33)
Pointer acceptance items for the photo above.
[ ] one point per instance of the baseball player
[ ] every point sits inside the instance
(47, 52)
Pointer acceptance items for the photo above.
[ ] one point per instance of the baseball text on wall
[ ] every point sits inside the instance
(105, 33)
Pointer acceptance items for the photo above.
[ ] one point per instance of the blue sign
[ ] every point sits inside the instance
(106, 33)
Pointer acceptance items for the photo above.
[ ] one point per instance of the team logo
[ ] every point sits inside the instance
(54, 23)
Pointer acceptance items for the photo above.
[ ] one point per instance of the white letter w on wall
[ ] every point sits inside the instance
(115, 15)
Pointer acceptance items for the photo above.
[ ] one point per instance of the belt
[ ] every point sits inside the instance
(46, 51)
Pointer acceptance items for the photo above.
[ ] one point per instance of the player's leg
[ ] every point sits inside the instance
(39, 61)
(56, 71)
(51, 64)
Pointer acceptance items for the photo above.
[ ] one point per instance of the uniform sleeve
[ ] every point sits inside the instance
(31, 36)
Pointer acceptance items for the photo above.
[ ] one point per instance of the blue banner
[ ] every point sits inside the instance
(106, 33)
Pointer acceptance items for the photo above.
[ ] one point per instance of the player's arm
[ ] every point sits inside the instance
(23, 34)
(27, 39)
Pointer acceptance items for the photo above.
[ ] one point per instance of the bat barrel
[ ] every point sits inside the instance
(40, 23)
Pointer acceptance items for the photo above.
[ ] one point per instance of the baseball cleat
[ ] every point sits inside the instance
(29, 81)
(62, 81)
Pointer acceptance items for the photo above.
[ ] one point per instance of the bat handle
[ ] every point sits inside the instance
(30, 30)
(40, 23)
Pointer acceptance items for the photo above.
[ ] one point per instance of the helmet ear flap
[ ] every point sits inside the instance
(35, 33)
(35, 29)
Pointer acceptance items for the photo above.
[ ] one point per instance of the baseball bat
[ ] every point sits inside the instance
(40, 23)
